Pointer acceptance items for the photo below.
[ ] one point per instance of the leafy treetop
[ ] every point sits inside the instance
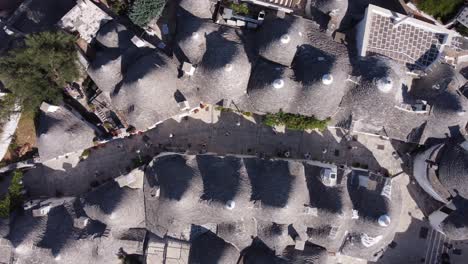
(38, 71)
(295, 121)
(143, 11)
(14, 198)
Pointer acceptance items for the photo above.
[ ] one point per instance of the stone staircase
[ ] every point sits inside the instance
(285, 3)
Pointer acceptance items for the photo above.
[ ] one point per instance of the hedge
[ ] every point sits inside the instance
(295, 121)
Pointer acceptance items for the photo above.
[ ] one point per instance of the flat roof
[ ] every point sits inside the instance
(403, 38)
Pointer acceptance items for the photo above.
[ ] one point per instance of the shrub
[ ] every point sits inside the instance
(240, 8)
(248, 114)
(14, 197)
(143, 11)
(295, 121)
(443, 10)
(85, 153)
(119, 7)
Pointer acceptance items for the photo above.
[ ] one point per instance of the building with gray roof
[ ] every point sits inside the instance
(259, 253)
(224, 69)
(386, 101)
(330, 13)
(111, 205)
(191, 36)
(219, 55)
(61, 132)
(442, 172)
(279, 38)
(88, 229)
(373, 102)
(210, 249)
(146, 95)
(115, 52)
(442, 89)
(199, 8)
(214, 209)
(112, 34)
(318, 72)
(233, 194)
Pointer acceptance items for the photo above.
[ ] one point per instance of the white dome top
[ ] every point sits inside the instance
(230, 205)
(384, 220)
(278, 83)
(327, 79)
(385, 84)
(285, 39)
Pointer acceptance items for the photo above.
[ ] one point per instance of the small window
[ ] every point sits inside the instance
(446, 210)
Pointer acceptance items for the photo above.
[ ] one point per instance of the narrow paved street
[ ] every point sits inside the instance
(207, 131)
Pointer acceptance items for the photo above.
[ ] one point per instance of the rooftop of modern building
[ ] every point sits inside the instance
(408, 40)
(85, 18)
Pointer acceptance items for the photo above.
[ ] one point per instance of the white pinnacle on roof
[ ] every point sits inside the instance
(385, 84)
(228, 67)
(285, 39)
(278, 83)
(230, 204)
(384, 220)
(327, 79)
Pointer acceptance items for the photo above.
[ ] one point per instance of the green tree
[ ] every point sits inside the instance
(38, 71)
(441, 9)
(240, 8)
(143, 11)
(14, 198)
(7, 107)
